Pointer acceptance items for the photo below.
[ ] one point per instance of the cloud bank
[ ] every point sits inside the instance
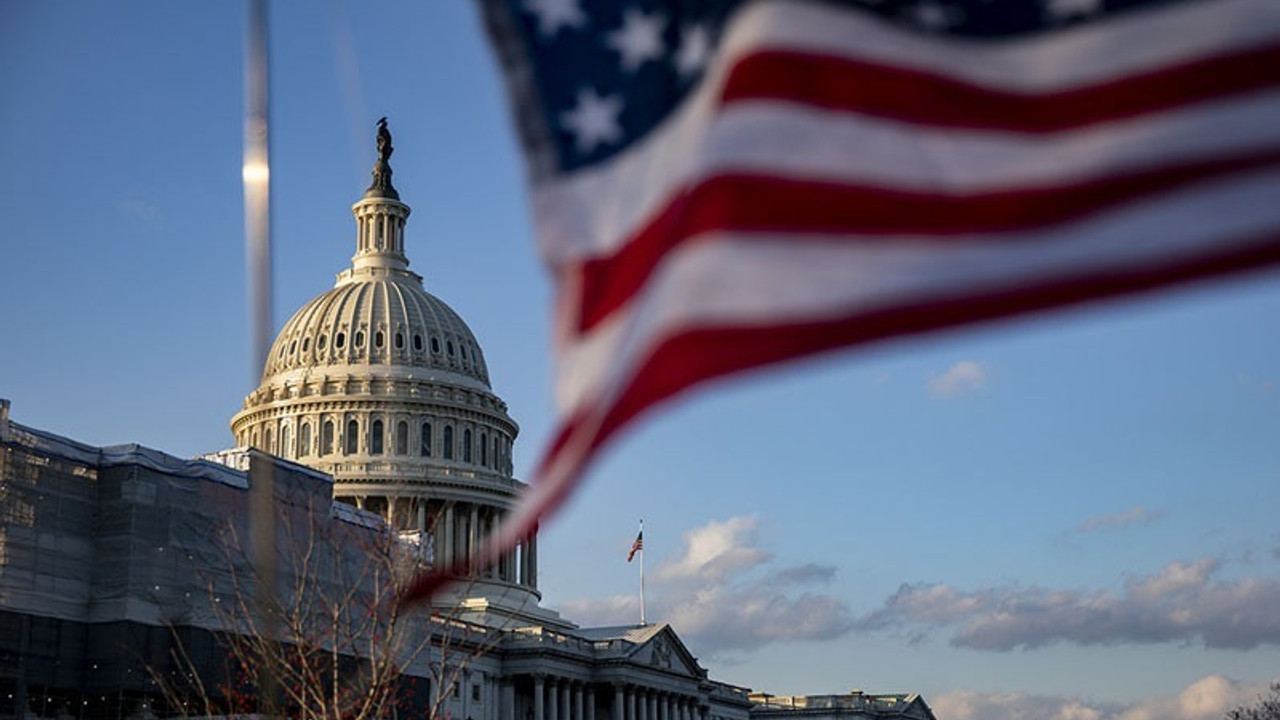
(1182, 603)
(1208, 698)
(723, 593)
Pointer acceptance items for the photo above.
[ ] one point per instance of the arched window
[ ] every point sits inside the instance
(448, 442)
(466, 445)
(359, 338)
(353, 437)
(377, 339)
(304, 440)
(399, 341)
(339, 340)
(376, 437)
(424, 445)
(266, 440)
(417, 342)
(286, 434)
(402, 438)
(435, 345)
(484, 449)
(496, 465)
(326, 438)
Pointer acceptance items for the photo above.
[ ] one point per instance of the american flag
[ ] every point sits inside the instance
(719, 185)
(636, 546)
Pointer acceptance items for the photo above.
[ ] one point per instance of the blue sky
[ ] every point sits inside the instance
(1073, 511)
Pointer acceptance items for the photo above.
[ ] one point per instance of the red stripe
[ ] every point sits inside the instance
(769, 204)
(921, 97)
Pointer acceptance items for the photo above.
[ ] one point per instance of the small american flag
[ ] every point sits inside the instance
(719, 185)
(636, 546)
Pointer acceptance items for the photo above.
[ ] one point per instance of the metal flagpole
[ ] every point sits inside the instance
(257, 219)
(640, 539)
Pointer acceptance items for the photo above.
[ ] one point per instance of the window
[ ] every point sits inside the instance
(448, 346)
(306, 343)
(448, 442)
(424, 446)
(375, 438)
(466, 445)
(377, 339)
(340, 340)
(475, 692)
(402, 438)
(435, 345)
(359, 338)
(353, 437)
(304, 439)
(326, 438)
(417, 342)
(320, 343)
(484, 449)
(266, 440)
(286, 434)
(496, 466)
(399, 341)
(293, 346)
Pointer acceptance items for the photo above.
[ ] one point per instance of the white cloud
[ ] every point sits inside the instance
(1208, 698)
(725, 594)
(1180, 603)
(717, 549)
(1136, 516)
(962, 378)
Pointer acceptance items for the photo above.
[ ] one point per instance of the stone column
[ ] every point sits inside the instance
(448, 535)
(591, 704)
(507, 711)
(577, 701)
(533, 560)
(539, 697)
(631, 703)
(619, 712)
(566, 707)
(473, 538)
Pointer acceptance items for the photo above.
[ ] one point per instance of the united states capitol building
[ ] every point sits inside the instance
(376, 417)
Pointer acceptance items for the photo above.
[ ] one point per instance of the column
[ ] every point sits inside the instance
(577, 701)
(619, 712)
(591, 703)
(533, 560)
(473, 538)
(565, 704)
(539, 697)
(553, 699)
(653, 705)
(507, 711)
(448, 535)
(664, 707)
(631, 703)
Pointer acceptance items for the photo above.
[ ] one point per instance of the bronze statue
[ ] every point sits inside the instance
(384, 141)
(381, 186)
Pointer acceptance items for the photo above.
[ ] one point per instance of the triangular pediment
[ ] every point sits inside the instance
(659, 647)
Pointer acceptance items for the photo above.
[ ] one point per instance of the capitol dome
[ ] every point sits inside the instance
(383, 386)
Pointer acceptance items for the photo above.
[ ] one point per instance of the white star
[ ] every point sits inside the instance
(555, 14)
(1065, 9)
(594, 120)
(639, 39)
(933, 16)
(695, 50)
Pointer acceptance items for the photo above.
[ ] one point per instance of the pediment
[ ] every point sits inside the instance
(662, 649)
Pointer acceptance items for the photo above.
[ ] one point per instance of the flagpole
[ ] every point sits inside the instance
(642, 622)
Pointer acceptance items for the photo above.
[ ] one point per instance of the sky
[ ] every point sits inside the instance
(1067, 516)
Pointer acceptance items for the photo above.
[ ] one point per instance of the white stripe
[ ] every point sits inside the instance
(591, 212)
(805, 143)
(728, 281)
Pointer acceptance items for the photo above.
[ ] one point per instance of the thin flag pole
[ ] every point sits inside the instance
(641, 541)
(257, 224)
